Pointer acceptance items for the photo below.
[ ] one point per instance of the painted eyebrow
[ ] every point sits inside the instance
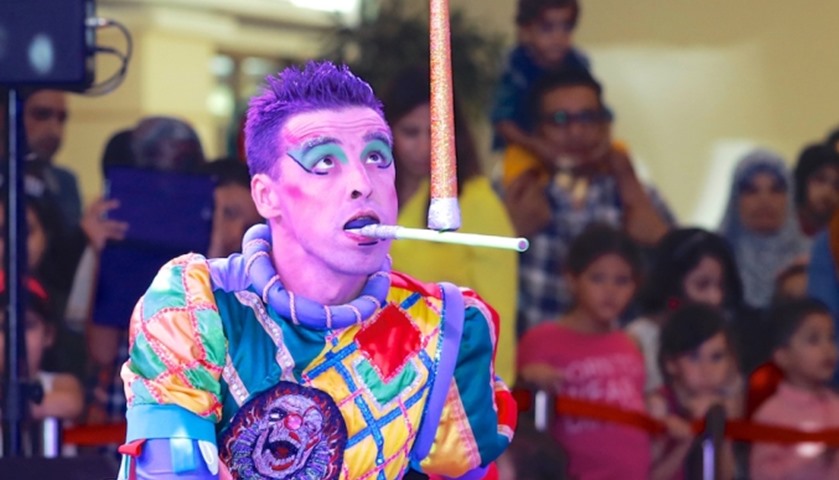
(383, 137)
(317, 142)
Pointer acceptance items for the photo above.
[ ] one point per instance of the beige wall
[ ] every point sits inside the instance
(693, 83)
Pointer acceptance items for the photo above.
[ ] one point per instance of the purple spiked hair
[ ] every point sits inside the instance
(316, 86)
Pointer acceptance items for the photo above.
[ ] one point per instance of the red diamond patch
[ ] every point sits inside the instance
(389, 341)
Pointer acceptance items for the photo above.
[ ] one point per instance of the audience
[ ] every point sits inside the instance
(791, 283)
(44, 118)
(166, 144)
(584, 356)
(532, 455)
(805, 350)
(690, 265)
(234, 211)
(816, 187)
(760, 224)
(545, 35)
(604, 189)
(62, 392)
(42, 226)
(158, 143)
(823, 270)
(490, 272)
(833, 140)
(700, 370)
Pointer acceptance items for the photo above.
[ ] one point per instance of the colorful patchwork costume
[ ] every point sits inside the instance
(286, 388)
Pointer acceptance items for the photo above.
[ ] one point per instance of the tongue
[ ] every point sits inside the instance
(359, 223)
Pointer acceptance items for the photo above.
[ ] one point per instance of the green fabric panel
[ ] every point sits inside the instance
(211, 332)
(165, 291)
(202, 379)
(144, 360)
(385, 392)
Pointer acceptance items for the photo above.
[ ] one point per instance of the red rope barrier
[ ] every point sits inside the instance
(95, 435)
(739, 430)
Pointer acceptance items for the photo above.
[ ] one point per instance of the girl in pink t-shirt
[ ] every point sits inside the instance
(584, 356)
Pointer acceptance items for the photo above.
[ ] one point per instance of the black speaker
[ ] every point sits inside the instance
(79, 468)
(47, 43)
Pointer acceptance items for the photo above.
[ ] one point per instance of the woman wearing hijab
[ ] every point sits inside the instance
(760, 224)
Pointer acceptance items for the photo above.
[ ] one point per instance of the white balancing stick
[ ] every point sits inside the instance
(472, 239)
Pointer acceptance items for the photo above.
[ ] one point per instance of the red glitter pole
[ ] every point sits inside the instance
(443, 211)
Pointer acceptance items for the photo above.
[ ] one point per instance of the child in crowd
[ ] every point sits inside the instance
(700, 371)
(805, 350)
(63, 396)
(584, 356)
(46, 262)
(816, 177)
(791, 283)
(42, 228)
(532, 455)
(690, 265)
(545, 34)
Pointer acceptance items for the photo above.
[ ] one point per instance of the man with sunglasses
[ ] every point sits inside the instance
(588, 179)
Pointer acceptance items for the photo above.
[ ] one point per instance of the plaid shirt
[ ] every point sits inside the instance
(106, 395)
(543, 290)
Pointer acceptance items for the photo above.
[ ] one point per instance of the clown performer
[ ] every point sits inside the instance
(306, 357)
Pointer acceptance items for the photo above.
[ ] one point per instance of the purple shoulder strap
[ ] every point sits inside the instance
(452, 331)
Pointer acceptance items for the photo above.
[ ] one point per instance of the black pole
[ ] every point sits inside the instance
(14, 264)
(713, 443)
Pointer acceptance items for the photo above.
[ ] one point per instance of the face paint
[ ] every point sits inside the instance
(378, 152)
(346, 181)
(319, 156)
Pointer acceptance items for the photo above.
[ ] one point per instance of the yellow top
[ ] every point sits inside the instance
(517, 160)
(492, 273)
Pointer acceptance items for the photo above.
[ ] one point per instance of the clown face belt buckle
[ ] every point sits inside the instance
(289, 432)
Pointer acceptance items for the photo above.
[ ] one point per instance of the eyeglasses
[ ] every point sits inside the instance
(587, 118)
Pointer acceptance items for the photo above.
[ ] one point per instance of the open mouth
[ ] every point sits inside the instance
(282, 449)
(362, 221)
(283, 452)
